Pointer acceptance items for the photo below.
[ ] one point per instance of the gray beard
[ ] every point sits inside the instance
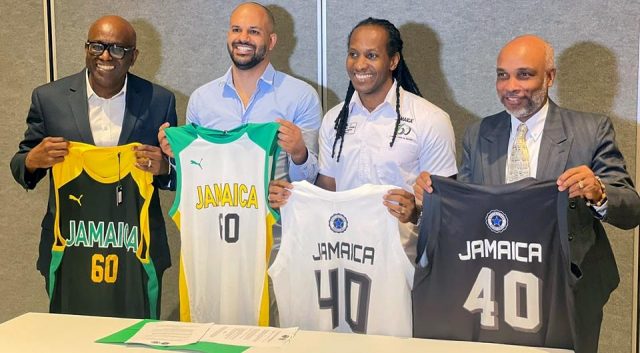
(533, 105)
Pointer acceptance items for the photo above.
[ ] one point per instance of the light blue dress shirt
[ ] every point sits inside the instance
(217, 105)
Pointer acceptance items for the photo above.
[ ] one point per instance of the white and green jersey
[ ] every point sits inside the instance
(225, 221)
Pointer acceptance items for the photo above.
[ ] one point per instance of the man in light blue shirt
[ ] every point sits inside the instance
(252, 91)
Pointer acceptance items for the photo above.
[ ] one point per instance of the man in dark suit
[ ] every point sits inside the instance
(103, 105)
(576, 149)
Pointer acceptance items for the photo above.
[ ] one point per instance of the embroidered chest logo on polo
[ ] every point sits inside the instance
(351, 129)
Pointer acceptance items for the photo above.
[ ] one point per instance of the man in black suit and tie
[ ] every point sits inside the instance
(576, 149)
(103, 105)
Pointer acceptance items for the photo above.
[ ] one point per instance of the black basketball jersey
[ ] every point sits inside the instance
(100, 255)
(498, 265)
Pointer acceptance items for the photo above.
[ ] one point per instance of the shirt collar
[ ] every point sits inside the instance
(91, 93)
(535, 124)
(389, 100)
(267, 76)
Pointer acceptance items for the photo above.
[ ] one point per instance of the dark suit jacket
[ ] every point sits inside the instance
(569, 139)
(60, 109)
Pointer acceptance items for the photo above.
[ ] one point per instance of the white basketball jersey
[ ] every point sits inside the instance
(341, 265)
(224, 220)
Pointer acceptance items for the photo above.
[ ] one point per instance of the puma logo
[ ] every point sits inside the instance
(76, 199)
(197, 163)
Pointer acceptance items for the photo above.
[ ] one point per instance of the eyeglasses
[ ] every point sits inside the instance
(116, 51)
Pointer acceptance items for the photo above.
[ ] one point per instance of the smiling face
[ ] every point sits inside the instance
(369, 65)
(250, 37)
(107, 74)
(522, 78)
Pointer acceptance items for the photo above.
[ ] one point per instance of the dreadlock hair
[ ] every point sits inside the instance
(401, 74)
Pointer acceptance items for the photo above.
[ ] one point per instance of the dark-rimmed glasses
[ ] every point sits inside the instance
(116, 51)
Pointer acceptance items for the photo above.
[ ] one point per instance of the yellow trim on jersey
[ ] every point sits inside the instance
(263, 318)
(183, 292)
(176, 218)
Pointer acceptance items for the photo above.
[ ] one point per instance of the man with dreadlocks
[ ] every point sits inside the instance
(384, 132)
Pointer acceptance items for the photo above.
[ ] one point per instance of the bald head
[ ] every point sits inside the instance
(107, 73)
(115, 26)
(255, 9)
(250, 38)
(524, 73)
(531, 46)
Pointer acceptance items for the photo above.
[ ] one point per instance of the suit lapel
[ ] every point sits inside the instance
(554, 146)
(80, 107)
(495, 139)
(131, 110)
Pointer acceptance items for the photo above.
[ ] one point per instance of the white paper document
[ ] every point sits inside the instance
(168, 333)
(249, 335)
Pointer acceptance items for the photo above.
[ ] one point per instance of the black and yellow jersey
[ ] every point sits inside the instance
(100, 255)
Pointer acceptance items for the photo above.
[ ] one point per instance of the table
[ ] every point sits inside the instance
(57, 333)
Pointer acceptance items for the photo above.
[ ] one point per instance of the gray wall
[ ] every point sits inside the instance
(22, 59)
(450, 48)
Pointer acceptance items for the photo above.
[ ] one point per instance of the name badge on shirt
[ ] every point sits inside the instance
(351, 128)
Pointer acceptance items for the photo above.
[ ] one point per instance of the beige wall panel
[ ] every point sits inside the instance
(182, 46)
(451, 47)
(22, 58)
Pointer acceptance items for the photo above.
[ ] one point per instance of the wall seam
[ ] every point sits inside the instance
(635, 344)
(50, 42)
(321, 15)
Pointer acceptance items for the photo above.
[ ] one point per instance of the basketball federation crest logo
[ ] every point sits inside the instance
(338, 223)
(496, 221)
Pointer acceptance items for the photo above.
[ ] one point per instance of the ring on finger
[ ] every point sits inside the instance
(148, 163)
(580, 184)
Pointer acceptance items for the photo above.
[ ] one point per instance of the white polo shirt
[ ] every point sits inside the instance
(425, 142)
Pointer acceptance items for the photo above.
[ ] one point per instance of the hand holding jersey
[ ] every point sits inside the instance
(402, 205)
(52, 150)
(580, 181)
(150, 159)
(399, 202)
(290, 140)
(279, 192)
(162, 139)
(49, 151)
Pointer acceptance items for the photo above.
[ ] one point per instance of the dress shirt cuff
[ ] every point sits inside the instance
(167, 181)
(600, 211)
(31, 179)
(306, 171)
(423, 261)
(171, 173)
